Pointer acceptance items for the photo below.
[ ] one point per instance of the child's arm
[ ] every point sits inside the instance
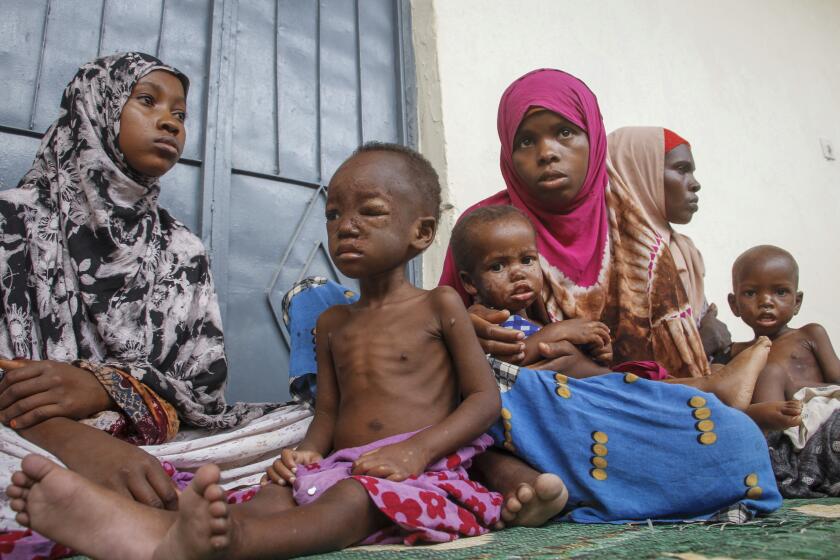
(824, 352)
(479, 408)
(318, 440)
(580, 332)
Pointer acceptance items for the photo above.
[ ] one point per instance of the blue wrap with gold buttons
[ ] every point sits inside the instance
(630, 449)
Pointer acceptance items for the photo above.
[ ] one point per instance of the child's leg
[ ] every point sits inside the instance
(93, 520)
(531, 498)
(734, 383)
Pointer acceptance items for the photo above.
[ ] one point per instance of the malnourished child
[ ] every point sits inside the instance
(405, 395)
(766, 296)
(495, 252)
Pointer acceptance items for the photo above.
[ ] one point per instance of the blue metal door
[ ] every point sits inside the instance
(281, 92)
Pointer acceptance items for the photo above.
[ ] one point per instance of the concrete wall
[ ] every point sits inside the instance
(752, 84)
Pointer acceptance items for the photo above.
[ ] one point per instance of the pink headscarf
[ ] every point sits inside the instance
(572, 240)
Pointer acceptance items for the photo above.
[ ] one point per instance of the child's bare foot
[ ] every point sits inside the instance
(532, 506)
(734, 383)
(203, 528)
(75, 512)
(776, 415)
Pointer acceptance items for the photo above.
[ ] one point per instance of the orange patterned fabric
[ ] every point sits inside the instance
(143, 418)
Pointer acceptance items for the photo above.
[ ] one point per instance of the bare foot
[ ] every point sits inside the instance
(203, 529)
(776, 415)
(75, 512)
(734, 383)
(532, 506)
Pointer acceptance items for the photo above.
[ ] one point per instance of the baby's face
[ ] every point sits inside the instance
(766, 296)
(507, 272)
(369, 221)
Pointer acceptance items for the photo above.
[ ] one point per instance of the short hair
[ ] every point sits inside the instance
(761, 253)
(423, 178)
(463, 241)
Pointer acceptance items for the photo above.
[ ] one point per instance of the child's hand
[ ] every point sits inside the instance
(601, 354)
(580, 332)
(283, 470)
(395, 462)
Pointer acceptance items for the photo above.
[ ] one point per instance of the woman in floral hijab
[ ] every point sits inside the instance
(108, 314)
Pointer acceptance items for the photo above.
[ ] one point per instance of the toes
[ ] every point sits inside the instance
(219, 526)
(218, 509)
(15, 491)
(22, 519)
(214, 493)
(36, 467)
(219, 542)
(508, 516)
(18, 505)
(204, 477)
(513, 504)
(525, 493)
(20, 479)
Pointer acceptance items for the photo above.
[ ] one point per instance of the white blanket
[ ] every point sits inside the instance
(818, 404)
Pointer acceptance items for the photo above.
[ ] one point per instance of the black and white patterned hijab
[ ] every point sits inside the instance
(92, 268)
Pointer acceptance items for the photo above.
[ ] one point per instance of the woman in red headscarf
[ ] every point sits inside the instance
(601, 257)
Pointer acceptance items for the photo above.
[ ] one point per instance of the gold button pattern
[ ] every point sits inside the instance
(754, 491)
(562, 389)
(702, 413)
(696, 401)
(599, 451)
(349, 293)
(598, 474)
(705, 426)
(508, 426)
(708, 438)
(630, 377)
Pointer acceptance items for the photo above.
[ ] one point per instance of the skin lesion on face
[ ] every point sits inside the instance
(152, 131)
(372, 217)
(551, 157)
(506, 270)
(681, 186)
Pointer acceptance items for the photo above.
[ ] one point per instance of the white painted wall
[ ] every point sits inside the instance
(753, 85)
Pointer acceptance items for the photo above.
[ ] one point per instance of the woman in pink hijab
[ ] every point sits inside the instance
(601, 257)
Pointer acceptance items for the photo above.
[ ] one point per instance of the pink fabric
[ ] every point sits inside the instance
(572, 240)
(645, 369)
(438, 506)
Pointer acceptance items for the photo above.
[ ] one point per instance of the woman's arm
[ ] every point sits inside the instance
(115, 464)
(505, 344)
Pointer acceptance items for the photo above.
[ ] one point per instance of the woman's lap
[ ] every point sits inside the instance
(638, 450)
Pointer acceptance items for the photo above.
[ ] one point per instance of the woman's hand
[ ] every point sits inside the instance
(34, 390)
(283, 470)
(713, 332)
(395, 462)
(106, 460)
(505, 344)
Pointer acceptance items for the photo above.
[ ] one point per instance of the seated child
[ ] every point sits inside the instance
(405, 395)
(765, 282)
(495, 252)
